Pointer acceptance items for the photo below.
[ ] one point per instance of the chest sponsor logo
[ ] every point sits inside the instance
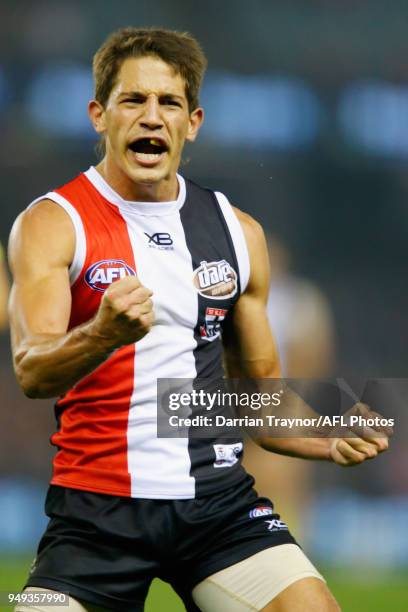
(260, 511)
(102, 273)
(211, 330)
(160, 240)
(227, 455)
(216, 280)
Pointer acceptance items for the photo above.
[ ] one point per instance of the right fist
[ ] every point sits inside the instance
(125, 314)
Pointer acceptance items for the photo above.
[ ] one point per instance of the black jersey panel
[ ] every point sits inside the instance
(216, 278)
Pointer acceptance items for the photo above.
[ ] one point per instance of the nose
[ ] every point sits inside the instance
(151, 117)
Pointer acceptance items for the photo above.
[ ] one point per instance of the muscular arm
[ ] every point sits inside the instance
(249, 346)
(4, 291)
(250, 352)
(47, 358)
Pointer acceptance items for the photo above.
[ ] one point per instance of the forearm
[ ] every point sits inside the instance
(4, 292)
(304, 438)
(304, 448)
(3, 313)
(49, 365)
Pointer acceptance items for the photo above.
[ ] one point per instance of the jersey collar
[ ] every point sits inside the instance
(150, 209)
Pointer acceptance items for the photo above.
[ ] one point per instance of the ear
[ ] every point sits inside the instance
(96, 114)
(196, 119)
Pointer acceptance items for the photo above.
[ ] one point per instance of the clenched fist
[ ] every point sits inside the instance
(362, 442)
(125, 314)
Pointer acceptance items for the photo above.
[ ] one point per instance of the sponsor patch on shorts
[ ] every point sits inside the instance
(260, 511)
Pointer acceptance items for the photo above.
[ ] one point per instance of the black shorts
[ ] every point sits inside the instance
(106, 550)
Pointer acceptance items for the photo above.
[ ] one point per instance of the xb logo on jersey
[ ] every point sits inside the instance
(102, 273)
(216, 280)
(160, 240)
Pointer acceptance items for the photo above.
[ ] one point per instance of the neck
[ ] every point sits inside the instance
(165, 190)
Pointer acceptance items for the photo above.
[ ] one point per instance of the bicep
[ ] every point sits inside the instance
(41, 248)
(4, 291)
(250, 348)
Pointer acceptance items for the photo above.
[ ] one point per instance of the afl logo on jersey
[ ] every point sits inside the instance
(102, 273)
(216, 280)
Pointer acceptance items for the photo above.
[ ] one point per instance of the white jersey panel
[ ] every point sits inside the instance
(160, 467)
(238, 238)
(80, 241)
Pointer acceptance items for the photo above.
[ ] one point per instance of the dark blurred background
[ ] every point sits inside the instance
(307, 130)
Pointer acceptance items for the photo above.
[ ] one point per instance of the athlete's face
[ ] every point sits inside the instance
(146, 121)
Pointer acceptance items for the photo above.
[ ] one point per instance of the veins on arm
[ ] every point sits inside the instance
(250, 349)
(41, 248)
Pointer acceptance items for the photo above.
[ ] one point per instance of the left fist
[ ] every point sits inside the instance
(364, 442)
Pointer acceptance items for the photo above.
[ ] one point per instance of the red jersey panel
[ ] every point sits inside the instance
(93, 416)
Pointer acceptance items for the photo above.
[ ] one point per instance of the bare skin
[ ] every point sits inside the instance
(250, 352)
(306, 595)
(4, 292)
(148, 100)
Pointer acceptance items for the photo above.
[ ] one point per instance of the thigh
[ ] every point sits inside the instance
(222, 530)
(73, 604)
(306, 595)
(256, 581)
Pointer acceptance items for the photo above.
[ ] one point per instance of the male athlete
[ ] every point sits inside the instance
(124, 275)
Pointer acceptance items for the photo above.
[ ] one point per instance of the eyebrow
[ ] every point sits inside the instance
(134, 94)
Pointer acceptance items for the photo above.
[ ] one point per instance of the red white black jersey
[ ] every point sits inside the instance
(107, 423)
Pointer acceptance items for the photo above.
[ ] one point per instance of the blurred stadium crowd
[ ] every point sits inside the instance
(307, 130)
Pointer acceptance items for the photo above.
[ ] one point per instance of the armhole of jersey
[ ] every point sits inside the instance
(80, 242)
(238, 239)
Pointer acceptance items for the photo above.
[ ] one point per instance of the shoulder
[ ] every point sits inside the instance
(44, 212)
(44, 218)
(258, 253)
(43, 226)
(253, 230)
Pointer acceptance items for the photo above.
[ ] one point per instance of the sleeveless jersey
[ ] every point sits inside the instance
(107, 423)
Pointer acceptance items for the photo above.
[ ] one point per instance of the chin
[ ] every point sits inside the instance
(147, 175)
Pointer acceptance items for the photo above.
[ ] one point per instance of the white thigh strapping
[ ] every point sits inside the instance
(252, 583)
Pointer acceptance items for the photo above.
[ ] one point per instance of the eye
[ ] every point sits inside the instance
(134, 100)
(170, 102)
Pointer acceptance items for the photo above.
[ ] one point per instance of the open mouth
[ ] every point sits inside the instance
(148, 149)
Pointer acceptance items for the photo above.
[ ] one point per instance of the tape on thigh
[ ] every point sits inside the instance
(252, 583)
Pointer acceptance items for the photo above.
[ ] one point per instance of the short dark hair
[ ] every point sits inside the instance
(178, 49)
